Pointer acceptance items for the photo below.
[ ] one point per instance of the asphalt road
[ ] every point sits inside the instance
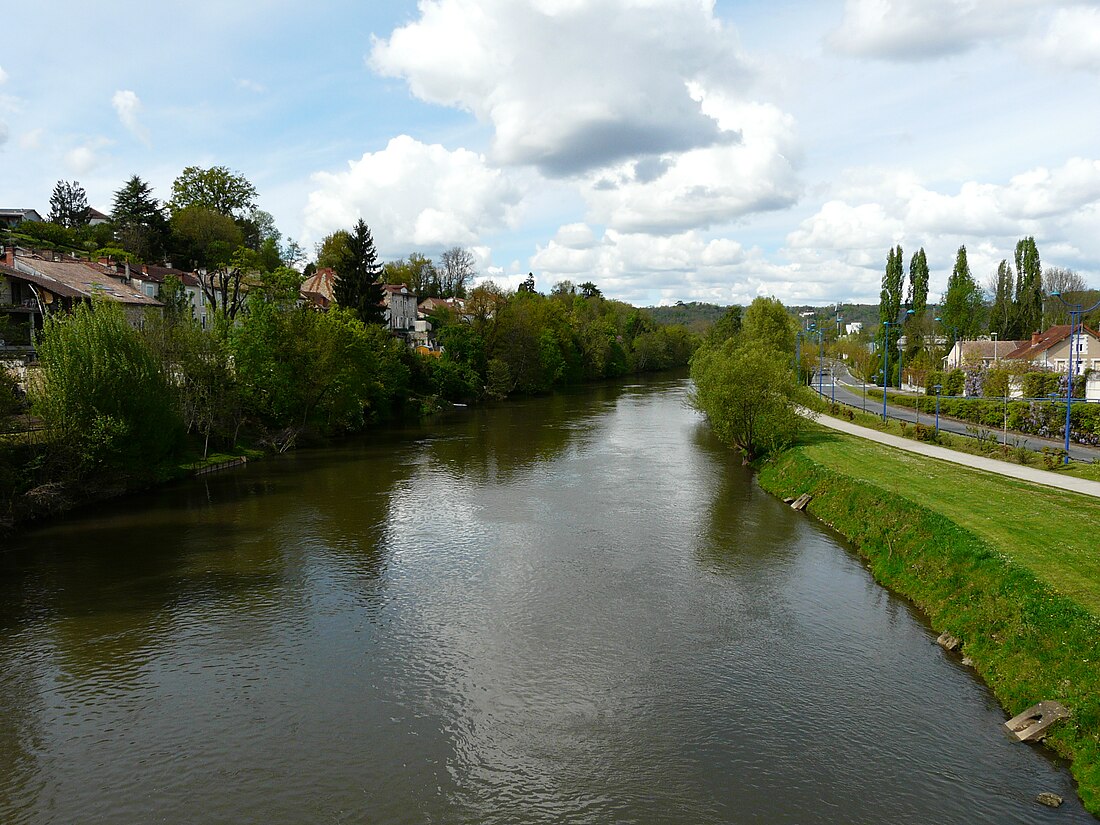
(850, 391)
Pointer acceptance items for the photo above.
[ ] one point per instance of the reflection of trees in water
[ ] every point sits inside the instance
(746, 527)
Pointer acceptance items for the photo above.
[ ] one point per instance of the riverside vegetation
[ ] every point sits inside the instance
(122, 407)
(1006, 568)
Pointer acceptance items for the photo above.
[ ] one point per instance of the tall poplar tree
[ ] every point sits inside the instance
(962, 305)
(1000, 316)
(358, 282)
(1028, 315)
(918, 283)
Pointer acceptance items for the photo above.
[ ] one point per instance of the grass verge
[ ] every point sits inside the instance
(985, 559)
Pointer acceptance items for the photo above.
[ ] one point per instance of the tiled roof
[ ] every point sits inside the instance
(77, 279)
(1031, 349)
(321, 284)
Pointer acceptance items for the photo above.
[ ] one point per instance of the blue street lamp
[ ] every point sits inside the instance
(885, 368)
(954, 336)
(939, 389)
(1076, 311)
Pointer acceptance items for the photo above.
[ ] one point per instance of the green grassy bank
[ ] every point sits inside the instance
(1006, 567)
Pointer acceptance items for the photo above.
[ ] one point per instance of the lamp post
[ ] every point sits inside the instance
(939, 389)
(1076, 313)
(885, 368)
(954, 337)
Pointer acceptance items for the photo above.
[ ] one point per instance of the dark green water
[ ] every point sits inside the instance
(577, 609)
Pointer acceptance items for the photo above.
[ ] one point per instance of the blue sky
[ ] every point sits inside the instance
(665, 149)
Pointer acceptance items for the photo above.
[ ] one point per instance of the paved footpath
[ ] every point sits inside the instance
(977, 462)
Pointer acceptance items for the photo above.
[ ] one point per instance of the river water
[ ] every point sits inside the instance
(572, 609)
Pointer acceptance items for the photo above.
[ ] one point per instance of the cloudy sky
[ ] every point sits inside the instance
(666, 149)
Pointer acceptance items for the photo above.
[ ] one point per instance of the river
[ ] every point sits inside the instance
(570, 609)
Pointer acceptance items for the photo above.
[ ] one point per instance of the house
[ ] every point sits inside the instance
(400, 306)
(11, 218)
(95, 217)
(32, 287)
(1051, 349)
(854, 328)
(150, 275)
(983, 352)
(319, 289)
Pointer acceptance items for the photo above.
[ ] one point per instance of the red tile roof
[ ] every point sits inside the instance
(1031, 349)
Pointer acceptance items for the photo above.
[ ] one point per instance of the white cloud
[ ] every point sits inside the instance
(856, 229)
(573, 85)
(251, 86)
(926, 29)
(1073, 39)
(3, 75)
(414, 196)
(128, 106)
(706, 186)
(31, 139)
(82, 159)
(3, 133)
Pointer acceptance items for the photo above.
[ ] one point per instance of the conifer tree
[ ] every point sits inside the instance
(358, 283)
(140, 221)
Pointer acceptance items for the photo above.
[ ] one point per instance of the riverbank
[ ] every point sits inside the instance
(1003, 566)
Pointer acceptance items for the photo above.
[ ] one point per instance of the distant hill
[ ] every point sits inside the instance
(695, 316)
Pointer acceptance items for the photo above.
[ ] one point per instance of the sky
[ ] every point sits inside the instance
(667, 150)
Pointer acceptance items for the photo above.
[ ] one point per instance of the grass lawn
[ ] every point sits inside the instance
(1050, 532)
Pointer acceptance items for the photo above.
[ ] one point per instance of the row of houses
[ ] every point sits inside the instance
(1050, 350)
(33, 285)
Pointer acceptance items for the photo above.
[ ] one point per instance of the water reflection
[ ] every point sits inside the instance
(571, 609)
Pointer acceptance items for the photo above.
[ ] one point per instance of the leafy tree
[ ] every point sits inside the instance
(417, 272)
(726, 327)
(68, 205)
(358, 284)
(218, 188)
(457, 267)
(892, 281)
(747, 391)
(331, 250)
(139, 220)
(528, 284)
(1028, 316)
(104, 396)
(767, 322)
(962, 304)
(1001, 313)
(205, 237)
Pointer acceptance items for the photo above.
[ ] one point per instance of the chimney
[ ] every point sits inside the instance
(9, 255)
(1035, 336)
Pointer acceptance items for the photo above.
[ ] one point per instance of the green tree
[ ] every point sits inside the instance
(218, 188)
(767, 322)
(590, 290)
(747, 391)
(140, 223)
(104, 396)
(918, 282)
(358, 284)
(1001, 313)
(205, 237)
(417, 272)
(332, 249)
(68, 205)
(726, 327)
(962, 304)
(1028, 317)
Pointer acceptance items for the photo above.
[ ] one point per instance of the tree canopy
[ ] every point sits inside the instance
(68, 204)
(218, 188)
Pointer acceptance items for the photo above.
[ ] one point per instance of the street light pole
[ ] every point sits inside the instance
(1076, 316)
(886, 368)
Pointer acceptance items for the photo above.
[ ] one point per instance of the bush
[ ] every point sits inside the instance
(103, 394)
